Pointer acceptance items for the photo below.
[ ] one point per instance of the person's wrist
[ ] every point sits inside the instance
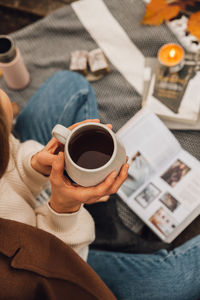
(63, 209)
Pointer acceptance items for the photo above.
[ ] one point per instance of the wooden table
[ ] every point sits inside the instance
(15, 14)
(37, 7)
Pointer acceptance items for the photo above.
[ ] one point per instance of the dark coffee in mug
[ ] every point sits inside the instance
(91, 149)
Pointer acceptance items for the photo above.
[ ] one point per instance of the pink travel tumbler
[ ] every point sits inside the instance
(13, 68)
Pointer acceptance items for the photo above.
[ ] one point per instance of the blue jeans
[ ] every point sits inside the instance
(164, 275)
(67, 98)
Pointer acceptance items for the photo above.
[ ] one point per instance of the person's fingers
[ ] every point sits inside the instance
(96, 200)
(103, 188)
(109, 126)
(110, 185)
(120, 179)
(88, 120)
(57, 168)
(85, 121)
(98, 191)
(104, 199)
(46, 158)
(53, 146)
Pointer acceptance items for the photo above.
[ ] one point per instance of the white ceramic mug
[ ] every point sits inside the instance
(85, 176)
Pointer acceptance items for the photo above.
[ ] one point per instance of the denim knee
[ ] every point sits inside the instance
(66, 96)
(65, 77)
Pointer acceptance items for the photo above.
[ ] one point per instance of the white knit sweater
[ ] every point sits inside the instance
(18, 189)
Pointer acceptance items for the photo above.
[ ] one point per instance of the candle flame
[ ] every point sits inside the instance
(172, 53)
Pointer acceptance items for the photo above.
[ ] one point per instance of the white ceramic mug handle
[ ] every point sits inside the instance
(60, 133)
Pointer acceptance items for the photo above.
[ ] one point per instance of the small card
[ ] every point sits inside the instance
(97, 62)
(78, 61)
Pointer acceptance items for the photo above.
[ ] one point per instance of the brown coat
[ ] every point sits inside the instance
(36, 265)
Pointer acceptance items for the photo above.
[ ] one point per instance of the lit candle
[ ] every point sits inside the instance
(172, 53)
(171, 56)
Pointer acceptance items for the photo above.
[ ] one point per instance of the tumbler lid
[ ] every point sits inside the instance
(7, 49)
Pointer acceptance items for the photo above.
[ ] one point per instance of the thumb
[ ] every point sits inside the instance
(58, 166)
(46, 158)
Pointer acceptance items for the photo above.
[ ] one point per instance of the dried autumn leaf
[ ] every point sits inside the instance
(193, 25)
(157, 11)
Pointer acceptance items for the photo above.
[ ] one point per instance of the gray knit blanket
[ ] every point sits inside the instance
(46, 46)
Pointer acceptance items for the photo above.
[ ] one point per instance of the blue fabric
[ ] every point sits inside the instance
(173, 275)
(65, 98)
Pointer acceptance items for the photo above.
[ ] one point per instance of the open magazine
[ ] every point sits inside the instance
(162, 187)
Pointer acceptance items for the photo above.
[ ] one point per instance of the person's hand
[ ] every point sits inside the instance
(42, 160)
(67, 197)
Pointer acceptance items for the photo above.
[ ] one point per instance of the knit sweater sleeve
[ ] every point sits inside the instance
(75, 229)
(22, 154)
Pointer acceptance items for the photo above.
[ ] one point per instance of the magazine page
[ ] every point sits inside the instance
(169, 201)
(148, 141)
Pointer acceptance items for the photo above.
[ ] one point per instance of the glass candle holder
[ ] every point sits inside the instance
(172, 56)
